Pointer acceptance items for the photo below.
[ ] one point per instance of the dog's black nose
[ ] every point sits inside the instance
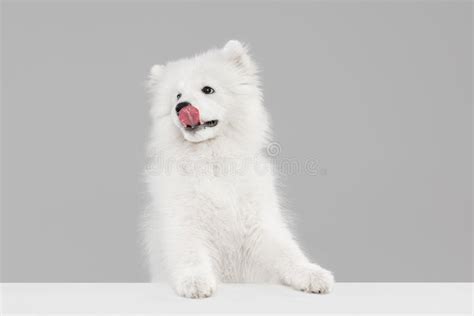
(181, 105)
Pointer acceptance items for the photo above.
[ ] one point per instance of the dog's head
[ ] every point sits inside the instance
(210, 95)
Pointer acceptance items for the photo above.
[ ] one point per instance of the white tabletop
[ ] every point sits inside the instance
(140, 298)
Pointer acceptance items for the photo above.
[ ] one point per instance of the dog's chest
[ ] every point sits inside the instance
(232, 223)
(229, 204)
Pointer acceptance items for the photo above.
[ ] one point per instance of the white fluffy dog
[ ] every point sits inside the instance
(215, 214)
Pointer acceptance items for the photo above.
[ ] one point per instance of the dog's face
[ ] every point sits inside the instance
(200, 103)
(209, 94)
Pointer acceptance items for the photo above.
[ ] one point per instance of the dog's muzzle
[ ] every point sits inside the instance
(189, 117)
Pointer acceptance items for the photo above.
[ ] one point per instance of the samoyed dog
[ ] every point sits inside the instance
(214, 213)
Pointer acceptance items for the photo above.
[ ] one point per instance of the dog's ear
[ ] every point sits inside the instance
(237, 53)
(155, 74)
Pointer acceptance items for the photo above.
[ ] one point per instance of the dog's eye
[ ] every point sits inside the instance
(178, 96)
(207, 90)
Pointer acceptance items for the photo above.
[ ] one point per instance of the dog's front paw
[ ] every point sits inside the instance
(196, 285)
(311, 278)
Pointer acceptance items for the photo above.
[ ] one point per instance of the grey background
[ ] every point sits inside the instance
(378, 94)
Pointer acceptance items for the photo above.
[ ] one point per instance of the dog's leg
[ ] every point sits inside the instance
(283, 257)
(188, 263)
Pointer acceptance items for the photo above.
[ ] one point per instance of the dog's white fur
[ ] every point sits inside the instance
(215, 215)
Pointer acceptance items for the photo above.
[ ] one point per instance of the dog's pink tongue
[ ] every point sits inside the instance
(189, 116)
